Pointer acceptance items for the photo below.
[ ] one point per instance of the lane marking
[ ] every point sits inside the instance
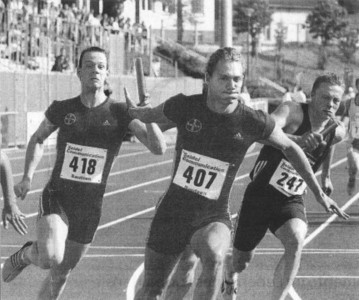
(132, 283)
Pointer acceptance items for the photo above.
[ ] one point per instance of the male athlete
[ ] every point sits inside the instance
(274, 198)
(91, 129)
(214, 133)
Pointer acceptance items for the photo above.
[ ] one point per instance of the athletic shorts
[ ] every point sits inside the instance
(171, 232)
(260, 212)
(82, 222)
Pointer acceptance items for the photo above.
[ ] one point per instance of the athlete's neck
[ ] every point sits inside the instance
(317, 122)
(93, 99)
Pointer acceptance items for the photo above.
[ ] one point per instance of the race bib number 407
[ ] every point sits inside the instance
(201, 174)
(83, 164)
(286, 180)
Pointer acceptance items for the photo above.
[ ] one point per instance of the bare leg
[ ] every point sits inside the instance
(210, 244)
(55, 282)
(236, 263)
(353, 165)
(158, 268)
(183, 277)
(292, 235)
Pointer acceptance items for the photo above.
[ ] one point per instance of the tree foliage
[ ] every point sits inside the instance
(352, 6)
(347, 44)
(261, 17)
(327, 20)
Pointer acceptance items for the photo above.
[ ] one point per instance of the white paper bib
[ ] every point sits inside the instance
(83, 164)
(201, 174)
(287, 180)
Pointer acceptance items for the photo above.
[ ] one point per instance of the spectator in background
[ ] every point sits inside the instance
(61, 62)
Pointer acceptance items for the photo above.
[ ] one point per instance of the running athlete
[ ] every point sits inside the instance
(214, 133)
(352, 111)
(274, 198)
(91, 129)
(11, 212)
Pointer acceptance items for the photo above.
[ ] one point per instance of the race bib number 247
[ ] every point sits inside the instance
(286, 180)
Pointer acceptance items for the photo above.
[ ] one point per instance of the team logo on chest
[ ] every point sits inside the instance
(194, 125)
(70, 119)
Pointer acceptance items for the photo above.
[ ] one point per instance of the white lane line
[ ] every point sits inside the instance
(130, 292)
(132, 283)
(116, 158)
(329, 277)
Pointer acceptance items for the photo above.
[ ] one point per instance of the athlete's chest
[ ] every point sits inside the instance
(97, 125)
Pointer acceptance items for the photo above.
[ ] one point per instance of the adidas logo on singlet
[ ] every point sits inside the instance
(106, 123)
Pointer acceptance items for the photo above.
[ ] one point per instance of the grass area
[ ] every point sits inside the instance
(305, 58)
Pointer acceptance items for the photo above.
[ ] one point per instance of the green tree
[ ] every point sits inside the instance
(352, 6)
(259, 18)
(326, 21)
(347, 44)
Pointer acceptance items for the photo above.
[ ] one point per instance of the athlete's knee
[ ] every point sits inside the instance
(293, 245)
(213, 260)
(48, 259)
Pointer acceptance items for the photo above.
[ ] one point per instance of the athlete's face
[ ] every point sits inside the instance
(326, 100)
(93, 71)
(224, 86)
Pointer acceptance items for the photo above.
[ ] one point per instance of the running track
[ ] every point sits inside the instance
(113, 267)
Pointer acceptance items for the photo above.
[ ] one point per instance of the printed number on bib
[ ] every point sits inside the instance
(286, 180)
(201, 174)
(83, 164)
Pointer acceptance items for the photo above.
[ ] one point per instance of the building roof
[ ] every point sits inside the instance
(293, 4)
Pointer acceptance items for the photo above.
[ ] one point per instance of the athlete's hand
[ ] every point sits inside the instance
(22, 188)
(331, 206)
(12, 214)
(327, 186)
(135, 111)
(311, 140)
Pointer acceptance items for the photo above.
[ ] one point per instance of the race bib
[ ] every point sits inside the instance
(201, 174)
(286, 180)
(354, 127)
(83, 164)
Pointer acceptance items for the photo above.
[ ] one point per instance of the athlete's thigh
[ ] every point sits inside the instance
(158, 267)
(51, 233)
(252, 223)
(212, 239)
(293, 230)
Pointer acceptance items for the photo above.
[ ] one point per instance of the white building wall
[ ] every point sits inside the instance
(292, 20)
(157, 16)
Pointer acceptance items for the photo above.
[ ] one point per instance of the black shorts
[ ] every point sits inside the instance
(260, 212)
(171, 231)
(82, 221)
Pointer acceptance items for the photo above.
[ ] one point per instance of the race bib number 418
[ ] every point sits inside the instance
(286, 180)
(83, 163)
(201, 174)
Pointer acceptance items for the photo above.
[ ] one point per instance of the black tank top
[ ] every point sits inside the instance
(269, 157)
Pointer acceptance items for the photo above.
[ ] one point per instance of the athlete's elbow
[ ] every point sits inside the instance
(158, 149)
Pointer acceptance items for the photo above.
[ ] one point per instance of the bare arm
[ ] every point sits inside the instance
(146, 114)
(34, 152)
(150, 135)
(11, 212)
(300, 162)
